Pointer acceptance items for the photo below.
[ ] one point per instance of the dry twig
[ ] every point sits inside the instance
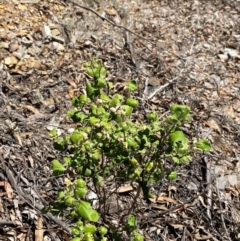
(111, 22)
(28, 199)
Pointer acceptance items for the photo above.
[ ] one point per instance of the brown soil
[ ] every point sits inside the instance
(184, 52)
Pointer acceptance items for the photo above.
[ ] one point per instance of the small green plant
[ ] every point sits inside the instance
(133, 230)
(108, 141)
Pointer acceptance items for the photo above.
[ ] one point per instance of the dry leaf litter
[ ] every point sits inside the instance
(179, 52)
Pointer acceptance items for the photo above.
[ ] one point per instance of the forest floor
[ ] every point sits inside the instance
(179, 51)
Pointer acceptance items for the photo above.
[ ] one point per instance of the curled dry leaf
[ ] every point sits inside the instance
(31, 108)
(39, 230)
(214, 125)
(11, 235)
(8, 189)
(229, 111)
(232, 190)
(64, 235)
(177, 225)
(202, 237)
(71, 82)
(31, 161)
(201, 199)
(235, 214)
(123, 189)
(18, 138)
(163, 199)
(10, 61)
(13, 46)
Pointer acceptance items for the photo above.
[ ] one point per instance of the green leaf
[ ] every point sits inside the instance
(70, 113)
(90, 72)
(204, 145)
(132, 85)
(131, 142)
(60, 195)
(76, 102)
(88, 146)
(179, 141)
(86, 211)
(105, 98)
(100, 83)
(132, 129)
(99, 73)
(110, 85)
(103, 230)
(186, 158)
(124, 126)
(149, 166)
(76, 239)
(152, 116)
(73, 214)
(131, 221)
(117, 99)
(76, 116)
(103, 72)
(173, 120)
(96, 155)
(79, 224)
(93, 120)
(127, 109)
(180, 111)
(53, 133)
(96, 64)
(100, 111)
(87, 64)
(89, 228)
(89, 237)
(67, 160)
(69, 200)
(57, 167)
(88, 129)
(137, 236)
(157, 175)
(80, 183)
(76, 232)
(78, 136)
(117, 117)
(177, 136)
(80, 192)
(137, 172)
(83, 98)
(171, 176)
(79, 101)
(60, 144)
(90, 90)
(134, 161)
(106, 115)
(132, 102)
(87, 172)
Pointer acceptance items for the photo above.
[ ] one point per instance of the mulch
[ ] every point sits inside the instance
(178, 51)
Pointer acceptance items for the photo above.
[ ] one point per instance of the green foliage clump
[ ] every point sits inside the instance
(108, 141)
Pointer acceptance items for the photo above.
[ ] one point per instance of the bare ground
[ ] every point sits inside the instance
(179, 52)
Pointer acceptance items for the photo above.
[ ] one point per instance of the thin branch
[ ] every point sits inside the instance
(160, 88)
(110, 21)
(221, 214)
(28, 199)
